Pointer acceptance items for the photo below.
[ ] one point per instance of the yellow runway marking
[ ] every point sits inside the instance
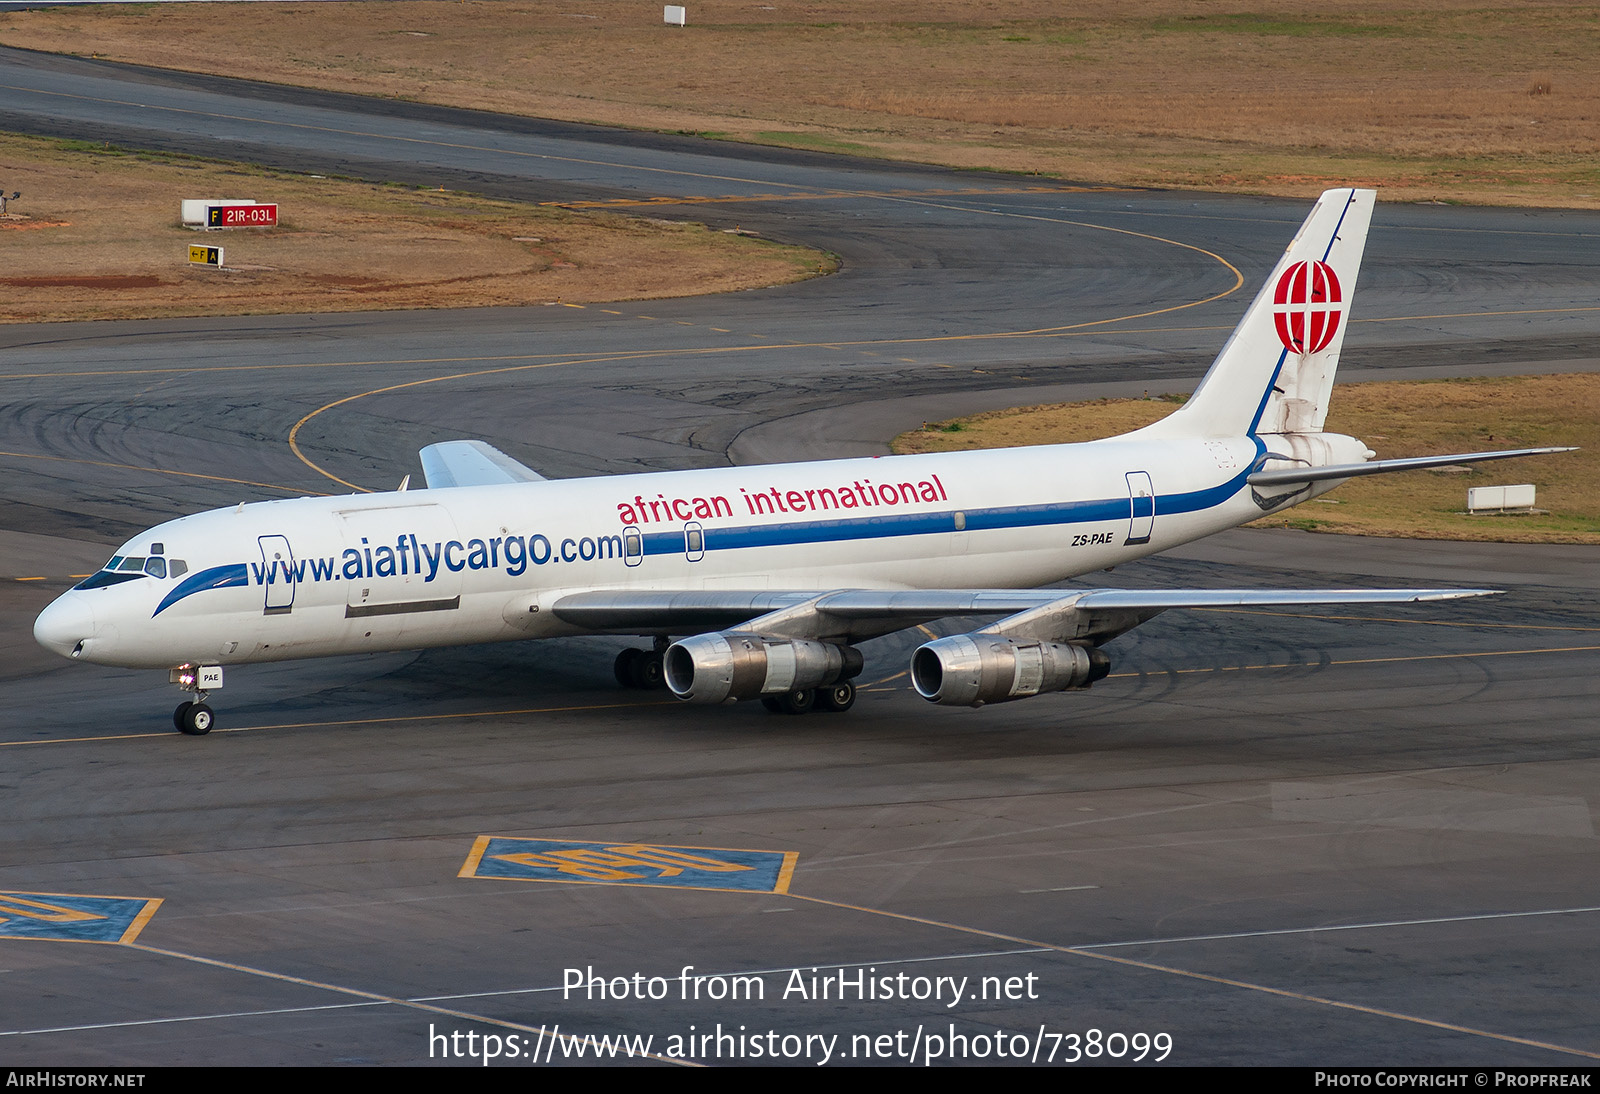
(1448, 656)
(349, 722)
(874, 684)
(1476, 314)
(294, 431)
(1238, 280)
(15, 905)
(578, 358)
(1395, 619)
(141, 921)
(297, 491)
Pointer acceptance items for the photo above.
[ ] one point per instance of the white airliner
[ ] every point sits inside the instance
(768, 575)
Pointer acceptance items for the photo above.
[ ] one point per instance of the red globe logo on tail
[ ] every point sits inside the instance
(1307, 305)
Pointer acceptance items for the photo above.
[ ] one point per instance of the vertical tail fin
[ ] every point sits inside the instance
(1276, 370)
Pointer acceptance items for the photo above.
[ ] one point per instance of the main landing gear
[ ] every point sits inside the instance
(642, 669)
(195, 717)
(833, 699)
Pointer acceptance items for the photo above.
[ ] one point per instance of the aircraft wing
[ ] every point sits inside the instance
(856, 614)
(794, 650)
(472, 463)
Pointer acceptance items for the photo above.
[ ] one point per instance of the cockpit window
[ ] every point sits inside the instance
(104, 578)
(127, 567)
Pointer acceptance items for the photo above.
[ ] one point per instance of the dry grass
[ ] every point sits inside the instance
(1395, 419)
(100, 239)
(1424, 99)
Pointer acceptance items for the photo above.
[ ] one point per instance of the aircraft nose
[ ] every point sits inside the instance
(65, 627)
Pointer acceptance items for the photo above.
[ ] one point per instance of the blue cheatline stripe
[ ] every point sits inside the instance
(1349, 201)
(920, 524)
(217, 577)
(1283, 355)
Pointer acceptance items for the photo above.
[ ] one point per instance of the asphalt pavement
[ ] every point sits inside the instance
(1338, 837)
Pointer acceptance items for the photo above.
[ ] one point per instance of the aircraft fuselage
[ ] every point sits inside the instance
(311, 577)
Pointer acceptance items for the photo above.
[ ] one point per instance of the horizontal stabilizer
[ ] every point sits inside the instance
(472, 463)
(1282, 475)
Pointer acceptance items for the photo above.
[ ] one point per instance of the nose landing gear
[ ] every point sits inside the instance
(195, 717)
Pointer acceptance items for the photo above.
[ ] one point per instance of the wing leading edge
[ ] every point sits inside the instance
(628, 611)
(472, 463)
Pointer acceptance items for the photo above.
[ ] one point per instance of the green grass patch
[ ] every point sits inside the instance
(817, 141)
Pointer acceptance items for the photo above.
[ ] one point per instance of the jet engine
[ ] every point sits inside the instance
(711, 668)
(972, 669)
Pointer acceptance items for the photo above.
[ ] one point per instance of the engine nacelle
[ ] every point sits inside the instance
(711, 668)
(972, 669)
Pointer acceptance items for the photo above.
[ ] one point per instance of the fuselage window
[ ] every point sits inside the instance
(156, 567)
(179, 567)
